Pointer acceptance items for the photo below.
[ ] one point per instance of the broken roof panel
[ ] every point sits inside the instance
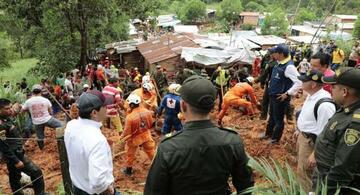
(165, 47)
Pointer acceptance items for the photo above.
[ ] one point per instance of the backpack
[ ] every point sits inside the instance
(322, 100)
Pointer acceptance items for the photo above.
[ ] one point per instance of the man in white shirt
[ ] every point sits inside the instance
(40, 109)
(69, 88)
(312, 120)
(89, 154)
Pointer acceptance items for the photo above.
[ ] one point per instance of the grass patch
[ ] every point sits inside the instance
(18, 70)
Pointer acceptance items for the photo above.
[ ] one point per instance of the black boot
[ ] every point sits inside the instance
(128, 171)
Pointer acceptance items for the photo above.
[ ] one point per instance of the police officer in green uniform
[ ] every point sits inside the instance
(12, 146)
(199, 159)
(337, 148)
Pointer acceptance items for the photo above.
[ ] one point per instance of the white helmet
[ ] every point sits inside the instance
(174, 88)
(147, 86)
(146, 79)
(250, 79)
(133, 98)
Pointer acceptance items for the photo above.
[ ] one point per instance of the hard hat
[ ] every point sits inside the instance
(174, 88)
(147, 86)
(250, 79)
(146, 79)
(85, 86)
(134, 99)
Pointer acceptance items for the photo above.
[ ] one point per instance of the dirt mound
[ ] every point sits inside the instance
(248, 129)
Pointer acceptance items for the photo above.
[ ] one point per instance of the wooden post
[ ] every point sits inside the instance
(64, 163)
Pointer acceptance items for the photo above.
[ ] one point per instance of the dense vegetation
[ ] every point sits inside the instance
(63, 34)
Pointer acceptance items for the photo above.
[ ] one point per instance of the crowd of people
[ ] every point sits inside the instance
(193, 150)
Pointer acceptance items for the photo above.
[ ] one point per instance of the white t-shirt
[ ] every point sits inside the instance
(38, 107)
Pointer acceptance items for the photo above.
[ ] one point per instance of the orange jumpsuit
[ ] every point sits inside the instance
(148, 100)
(235, 97)
(138, 124)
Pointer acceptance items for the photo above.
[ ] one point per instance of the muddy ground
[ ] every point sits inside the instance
(248, 129)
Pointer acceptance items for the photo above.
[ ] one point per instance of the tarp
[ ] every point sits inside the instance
(186, 29)
(222, 41)
(217, 56)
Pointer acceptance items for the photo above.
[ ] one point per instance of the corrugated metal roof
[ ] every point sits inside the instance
(266, 40)
(165, 47)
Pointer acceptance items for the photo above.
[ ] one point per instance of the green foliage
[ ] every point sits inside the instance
(275, 23)
(60, 189)
(192, 10)
(356, 30)
(253, 6)
(4, 62)
(247, 27)
(304, 15)
(230, 10)
(281, 179)
(346, 46)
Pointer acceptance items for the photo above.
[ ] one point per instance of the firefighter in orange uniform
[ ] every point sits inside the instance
(137, 132)
(236, 97)
(147, 95)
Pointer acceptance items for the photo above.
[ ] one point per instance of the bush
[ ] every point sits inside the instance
(247, 27)
(230, 10)
(192, 11)
(275, 23)
(356, 30)
(253, 6)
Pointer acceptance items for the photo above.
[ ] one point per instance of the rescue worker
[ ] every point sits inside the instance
(171, 104)
(146, 78)
(236, 96)
(147, 95)
(200, 158)
(12, 146)
(220, 78)
(161, 81)
(183, 74)
(137, 132)
(338, 57)
(112, 110)
(337, 147)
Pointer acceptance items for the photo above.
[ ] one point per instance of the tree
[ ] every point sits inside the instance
(275, 23)
(230, 10)
(356, 30)
(192, 11)
(253, 6)
(304, 15)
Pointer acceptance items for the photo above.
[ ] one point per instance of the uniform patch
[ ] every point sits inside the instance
(333, 125)
(2, 135)
(351, 137)
(170, 103)
(357, 116)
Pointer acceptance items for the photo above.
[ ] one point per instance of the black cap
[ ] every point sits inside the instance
(88, 101)
(312, 75)
(198, 92)
(282, 48)
(348, 76)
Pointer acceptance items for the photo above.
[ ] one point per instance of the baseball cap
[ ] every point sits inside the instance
(282, 48)
(312, 75)
(348, 76)
(272, 50)
(37, 87)
(198, 92)
(88, 101)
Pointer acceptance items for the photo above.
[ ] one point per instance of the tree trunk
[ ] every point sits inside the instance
(18, 42)
(83, 35)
